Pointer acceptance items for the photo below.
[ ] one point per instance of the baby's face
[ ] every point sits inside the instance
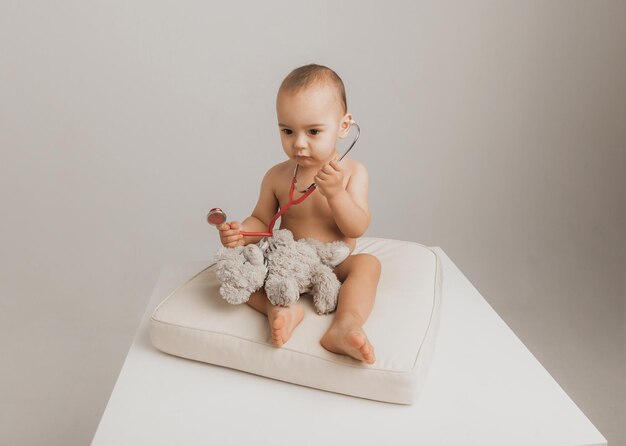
(310, 122)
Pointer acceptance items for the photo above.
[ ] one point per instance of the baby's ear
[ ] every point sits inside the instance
(345, 125)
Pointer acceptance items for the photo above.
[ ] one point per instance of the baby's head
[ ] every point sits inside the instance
(312, 114)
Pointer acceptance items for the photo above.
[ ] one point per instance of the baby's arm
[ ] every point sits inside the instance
(349, 206)
(266, 207)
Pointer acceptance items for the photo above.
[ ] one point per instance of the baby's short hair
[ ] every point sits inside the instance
(311, 75)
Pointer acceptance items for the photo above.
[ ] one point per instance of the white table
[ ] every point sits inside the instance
(484, 387)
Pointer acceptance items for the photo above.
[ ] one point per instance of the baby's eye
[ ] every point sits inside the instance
(316, 131)
(286, 131)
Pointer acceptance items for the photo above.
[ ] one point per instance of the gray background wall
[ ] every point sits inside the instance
(494, 129)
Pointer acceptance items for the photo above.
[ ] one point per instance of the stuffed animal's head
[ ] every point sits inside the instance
(253, 254)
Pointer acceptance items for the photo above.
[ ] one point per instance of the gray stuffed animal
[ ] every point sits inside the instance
(291, 268)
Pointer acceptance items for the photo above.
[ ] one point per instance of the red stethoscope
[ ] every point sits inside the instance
(216, 216)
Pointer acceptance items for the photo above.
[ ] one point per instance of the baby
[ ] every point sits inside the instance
(312, 115)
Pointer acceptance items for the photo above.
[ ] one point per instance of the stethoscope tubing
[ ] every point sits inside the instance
(308, 191)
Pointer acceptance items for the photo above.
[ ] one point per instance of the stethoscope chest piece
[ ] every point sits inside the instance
(216, 217)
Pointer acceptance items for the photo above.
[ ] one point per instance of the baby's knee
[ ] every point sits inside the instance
(375, 265)
(370, 263)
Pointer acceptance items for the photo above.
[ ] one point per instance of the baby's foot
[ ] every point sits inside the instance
(349, 341)
(283, 320)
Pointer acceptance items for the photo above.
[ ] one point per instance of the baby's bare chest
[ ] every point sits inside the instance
(313, 216)
(314, 208)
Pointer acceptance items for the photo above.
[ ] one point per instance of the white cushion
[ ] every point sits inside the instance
(196, 323)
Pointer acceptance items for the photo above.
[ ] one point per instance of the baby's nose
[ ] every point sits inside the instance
(300, 143)
(300, 151)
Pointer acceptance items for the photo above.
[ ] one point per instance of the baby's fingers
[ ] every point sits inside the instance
(335, 165)
(231, 240)
(230, 234)
(321, 175)
(234, 227)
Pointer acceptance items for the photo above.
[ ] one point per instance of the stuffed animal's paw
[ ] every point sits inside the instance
(325, 289)
(240, 271)
(281, 292)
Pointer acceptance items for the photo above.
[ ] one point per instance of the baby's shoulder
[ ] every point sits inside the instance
(354, 167)
(277, 173)
(280, 169)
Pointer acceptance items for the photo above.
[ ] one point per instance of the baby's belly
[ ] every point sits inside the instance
(310, 228)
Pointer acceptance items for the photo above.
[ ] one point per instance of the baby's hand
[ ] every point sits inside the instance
(329, 179)
(230, 234)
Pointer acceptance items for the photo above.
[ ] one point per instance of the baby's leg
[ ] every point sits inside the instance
(359, 274)
(283, 320)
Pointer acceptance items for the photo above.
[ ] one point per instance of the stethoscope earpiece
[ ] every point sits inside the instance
(358, 132)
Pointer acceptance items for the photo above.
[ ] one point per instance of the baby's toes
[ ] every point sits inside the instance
(369, 357)
(359, 341)
(368, 353)
(277, 330)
